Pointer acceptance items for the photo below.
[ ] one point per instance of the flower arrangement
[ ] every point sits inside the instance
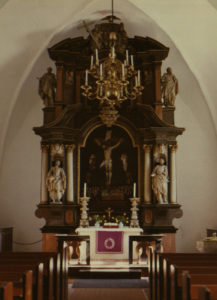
(123, 219)
(102, 219)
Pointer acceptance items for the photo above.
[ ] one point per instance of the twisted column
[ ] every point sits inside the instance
(147, 173)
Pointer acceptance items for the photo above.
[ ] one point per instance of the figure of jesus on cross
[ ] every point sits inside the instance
(107, 146)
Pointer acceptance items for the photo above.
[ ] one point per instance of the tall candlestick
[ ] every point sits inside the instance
(85, 189)
(134, 190)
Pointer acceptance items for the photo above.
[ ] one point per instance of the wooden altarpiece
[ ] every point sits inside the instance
(73, 132)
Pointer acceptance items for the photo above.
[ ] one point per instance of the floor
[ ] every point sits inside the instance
(98, 288)
(107, 289)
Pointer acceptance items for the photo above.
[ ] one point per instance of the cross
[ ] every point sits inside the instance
(109, 211)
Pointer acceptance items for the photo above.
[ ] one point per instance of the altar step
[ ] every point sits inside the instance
(107, 273)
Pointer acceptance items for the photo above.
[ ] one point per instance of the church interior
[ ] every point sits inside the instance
(108, 140)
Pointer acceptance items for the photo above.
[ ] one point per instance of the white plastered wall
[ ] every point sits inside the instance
(28, 27)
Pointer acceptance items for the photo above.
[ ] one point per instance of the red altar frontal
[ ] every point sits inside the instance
(108, 243)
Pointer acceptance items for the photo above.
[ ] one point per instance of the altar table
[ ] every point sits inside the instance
(100, 256)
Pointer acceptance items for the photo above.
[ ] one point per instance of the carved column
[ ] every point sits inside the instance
(44, 171)
(70, 175)
(147, 173)
(173, 174)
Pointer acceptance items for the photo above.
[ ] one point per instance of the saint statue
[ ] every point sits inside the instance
(56, 182)
(160, 180)
(169, 87)
(47, 86)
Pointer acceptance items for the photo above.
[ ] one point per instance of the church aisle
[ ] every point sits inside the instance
(107, 294)
(107, 289)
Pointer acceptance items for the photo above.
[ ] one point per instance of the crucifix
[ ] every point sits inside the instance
(109, 211)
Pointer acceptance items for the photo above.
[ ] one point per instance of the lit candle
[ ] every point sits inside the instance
(134, 190)
(100, 70)
(127, 57)
(132, 63)
(139, 80)
(85, 189)
(123, 71)
(97, 58)
(113, 52)
(91, 62)
(86, 77)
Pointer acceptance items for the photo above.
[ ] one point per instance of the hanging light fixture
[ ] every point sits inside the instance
(113, 81)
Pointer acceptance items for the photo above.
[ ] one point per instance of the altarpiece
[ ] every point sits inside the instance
(109, 153)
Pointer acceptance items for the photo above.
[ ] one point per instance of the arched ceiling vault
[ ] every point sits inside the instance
(28, 28)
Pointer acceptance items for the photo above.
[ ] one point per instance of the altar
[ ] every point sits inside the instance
(108, 244)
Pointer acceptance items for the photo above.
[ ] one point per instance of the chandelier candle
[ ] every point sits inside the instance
(134, 190)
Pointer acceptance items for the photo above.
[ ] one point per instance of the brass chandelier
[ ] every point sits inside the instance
(112, 81)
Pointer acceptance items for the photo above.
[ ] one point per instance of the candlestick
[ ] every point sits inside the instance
(85, 189)
(134, 190)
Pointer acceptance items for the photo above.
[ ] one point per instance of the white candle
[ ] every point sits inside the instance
(97, 58)
(132, 63)
(127, 57)
(139, 80)
(123, 71)
(101, 70)
(136, 81)
(91, 62)
(134, 190)
(85, 189)
(86, 77)
(113, 52)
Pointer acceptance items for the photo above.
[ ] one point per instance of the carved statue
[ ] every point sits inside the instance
(108, 147)
(169, 87)
(47, 86)
(160, 180)
(56, 182)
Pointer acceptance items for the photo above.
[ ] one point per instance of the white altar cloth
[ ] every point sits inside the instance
(94, 256)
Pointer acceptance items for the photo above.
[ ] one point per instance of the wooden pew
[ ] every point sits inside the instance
(6, 290)
(51, 268)
(162, 263)
(37, 274)
(198, 275)
(203, 291)
(22, 283)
